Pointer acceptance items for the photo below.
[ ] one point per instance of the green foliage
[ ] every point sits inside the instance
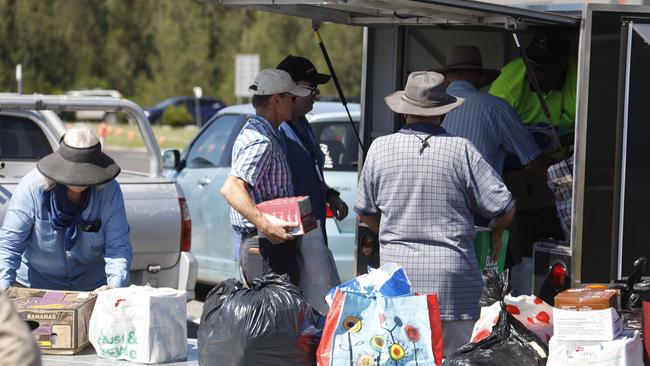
(150, 50)
(177, 116)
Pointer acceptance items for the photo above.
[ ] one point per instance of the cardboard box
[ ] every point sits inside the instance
(62, 316)
(291, 209)
(625, 350)
(588, 325)
(588, 299)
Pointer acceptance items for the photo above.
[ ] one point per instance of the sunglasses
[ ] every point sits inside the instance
(313, 89)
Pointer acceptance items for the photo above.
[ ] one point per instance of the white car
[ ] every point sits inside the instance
(109, 117)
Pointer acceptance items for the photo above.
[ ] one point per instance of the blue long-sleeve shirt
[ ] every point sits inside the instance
(33, 254)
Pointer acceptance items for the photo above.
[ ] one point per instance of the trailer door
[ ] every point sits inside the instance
(634, 235)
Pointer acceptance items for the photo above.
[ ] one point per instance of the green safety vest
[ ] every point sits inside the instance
(512, 85)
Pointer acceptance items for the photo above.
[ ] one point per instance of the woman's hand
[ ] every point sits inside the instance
(102, 288)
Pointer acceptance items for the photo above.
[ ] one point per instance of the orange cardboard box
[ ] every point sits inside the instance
(584, 299)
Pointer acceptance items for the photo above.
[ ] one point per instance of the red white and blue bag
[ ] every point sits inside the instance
(379, 330)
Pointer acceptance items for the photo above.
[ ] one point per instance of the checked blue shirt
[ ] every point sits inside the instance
(491, 124)
(427, 202)
(259, 159)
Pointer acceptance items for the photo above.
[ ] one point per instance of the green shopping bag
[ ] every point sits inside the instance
(483, 247)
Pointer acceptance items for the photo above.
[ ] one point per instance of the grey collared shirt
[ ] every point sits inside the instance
(427, 202)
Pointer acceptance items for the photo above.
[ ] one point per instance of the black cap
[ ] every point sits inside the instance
(301, 69)
(548, 49)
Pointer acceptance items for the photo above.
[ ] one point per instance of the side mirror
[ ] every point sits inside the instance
(171, 159)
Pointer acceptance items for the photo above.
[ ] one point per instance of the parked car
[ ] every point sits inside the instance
(98, 115)
(155, 206)
(208, 106)
(204, 165)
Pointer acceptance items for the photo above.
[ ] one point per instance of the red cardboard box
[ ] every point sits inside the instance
(291, 209)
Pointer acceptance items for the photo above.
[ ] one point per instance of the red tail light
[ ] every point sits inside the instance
(367, 245)
(558, 276)
(186, 226)
(328, 211)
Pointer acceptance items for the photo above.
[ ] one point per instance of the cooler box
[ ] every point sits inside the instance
(549, 256)
(483, 247)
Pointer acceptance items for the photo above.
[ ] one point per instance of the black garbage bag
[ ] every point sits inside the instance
(510, 344)
(496, 287)
(268, 324)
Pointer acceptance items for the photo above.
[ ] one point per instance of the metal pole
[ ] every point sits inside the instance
(336, 83)
(197, 112)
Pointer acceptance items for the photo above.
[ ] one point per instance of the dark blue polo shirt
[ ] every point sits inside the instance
(306, 164)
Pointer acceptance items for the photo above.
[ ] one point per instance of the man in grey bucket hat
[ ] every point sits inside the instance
(419, 189)
(489, 122)
(65, 227)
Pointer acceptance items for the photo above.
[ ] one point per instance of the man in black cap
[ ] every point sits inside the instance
(303, 151)
(556, 74)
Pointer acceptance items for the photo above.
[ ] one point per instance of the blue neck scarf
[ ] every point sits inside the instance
(65, 215)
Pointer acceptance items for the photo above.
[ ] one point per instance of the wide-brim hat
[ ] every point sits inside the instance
(468, 58)
(425, 94)
(78, 166)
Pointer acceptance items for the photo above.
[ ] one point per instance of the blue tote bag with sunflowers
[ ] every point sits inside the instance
(362, 330)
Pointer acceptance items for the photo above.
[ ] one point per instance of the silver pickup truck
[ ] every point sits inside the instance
(155, 206)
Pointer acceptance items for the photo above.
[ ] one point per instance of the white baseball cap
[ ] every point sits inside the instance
(274, 81)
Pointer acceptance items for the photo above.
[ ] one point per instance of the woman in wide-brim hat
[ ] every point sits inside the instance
(65, 227)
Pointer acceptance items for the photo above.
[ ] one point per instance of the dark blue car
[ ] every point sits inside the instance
(208, 106)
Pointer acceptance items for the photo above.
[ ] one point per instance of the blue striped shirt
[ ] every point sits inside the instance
(491, 124)
(259, 159)
(427, 202)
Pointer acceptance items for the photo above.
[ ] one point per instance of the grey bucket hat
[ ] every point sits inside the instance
(78, 166)
(425, 94)
(468, 58)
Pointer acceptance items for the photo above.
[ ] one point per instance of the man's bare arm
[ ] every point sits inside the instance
(234, 190)
(499, 224)
(371, 221)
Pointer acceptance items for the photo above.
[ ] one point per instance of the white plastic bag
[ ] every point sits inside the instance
(625, 350)
(318, 273)
(140, 324)
(389, 280)
(531, 311)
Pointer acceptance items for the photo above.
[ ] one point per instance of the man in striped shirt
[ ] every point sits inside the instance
(489, 122)
(419, 188)
(260, 172)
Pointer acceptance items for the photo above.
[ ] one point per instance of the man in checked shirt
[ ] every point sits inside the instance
(419, 189)
(260, 172)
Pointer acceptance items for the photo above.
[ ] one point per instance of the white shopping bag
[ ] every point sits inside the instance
(318, 273)
(531, 311)
(140, 324)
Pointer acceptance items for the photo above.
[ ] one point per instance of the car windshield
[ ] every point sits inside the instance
(209, 148)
